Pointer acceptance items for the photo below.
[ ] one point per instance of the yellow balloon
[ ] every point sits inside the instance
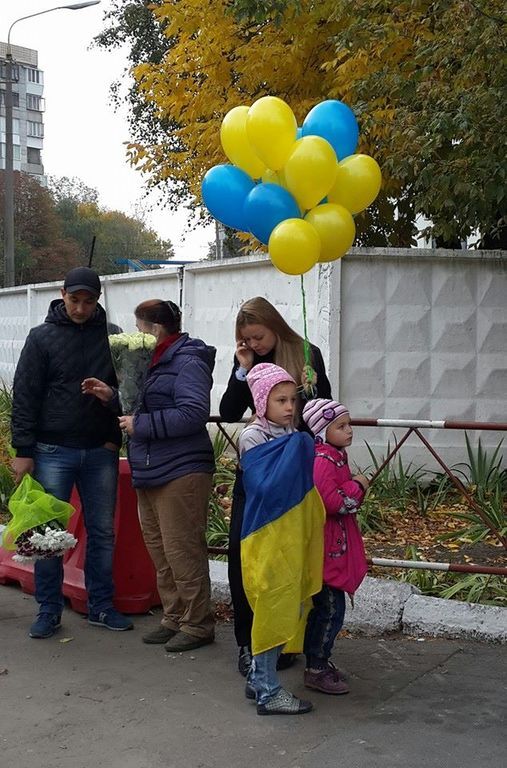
(271, 177)
(310, 170)
(236, 145)
(271, 129)
(294, 246)
(335, 227)
(357, 183)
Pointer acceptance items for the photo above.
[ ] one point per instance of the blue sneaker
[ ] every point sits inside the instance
(110, 619)
(45, 625)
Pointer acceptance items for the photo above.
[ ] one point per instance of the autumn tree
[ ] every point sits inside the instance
(117, 236)
(71, 188)
(427, 81)
(227, 245)
(133, 26)
(36, 231)
(55, 226)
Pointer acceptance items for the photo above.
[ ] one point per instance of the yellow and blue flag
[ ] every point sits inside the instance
(282, 542)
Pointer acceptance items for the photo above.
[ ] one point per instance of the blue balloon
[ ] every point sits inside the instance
(266, 206)
(299, 132)
(334, 121)
(224, 191)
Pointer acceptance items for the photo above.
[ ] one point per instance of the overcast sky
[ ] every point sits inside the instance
(83, 136)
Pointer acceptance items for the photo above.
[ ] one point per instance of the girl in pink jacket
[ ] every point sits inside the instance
(344, 558)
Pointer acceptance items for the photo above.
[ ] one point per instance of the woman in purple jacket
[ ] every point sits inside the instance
(171, 458)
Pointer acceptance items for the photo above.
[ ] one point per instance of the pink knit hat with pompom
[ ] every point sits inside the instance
(261, 380)
(319, 414)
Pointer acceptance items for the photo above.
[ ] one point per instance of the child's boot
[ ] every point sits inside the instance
(326, 680)
(284, 703)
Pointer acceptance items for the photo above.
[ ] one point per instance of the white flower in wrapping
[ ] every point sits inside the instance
(53, 541)
(44, 541)
(132, 341)
(141, 341)
(118, 340)
(131, 354)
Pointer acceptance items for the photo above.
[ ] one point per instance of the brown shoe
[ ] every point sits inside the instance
(326, 681)
(159, 636)
(183, 642)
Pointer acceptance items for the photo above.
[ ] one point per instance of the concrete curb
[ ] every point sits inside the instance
(436, 617)
(385, 605)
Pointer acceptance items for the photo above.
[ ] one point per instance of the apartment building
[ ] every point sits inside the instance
(28, 110)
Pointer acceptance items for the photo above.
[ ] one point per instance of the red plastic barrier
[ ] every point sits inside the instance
(133, 572)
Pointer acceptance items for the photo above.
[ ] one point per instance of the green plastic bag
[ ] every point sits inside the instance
(30, 506)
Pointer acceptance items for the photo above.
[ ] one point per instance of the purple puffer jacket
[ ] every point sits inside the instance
(170, 437)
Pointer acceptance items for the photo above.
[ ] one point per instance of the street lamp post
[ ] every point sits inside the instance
(9, 275)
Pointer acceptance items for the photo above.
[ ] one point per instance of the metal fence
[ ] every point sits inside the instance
(414, 427)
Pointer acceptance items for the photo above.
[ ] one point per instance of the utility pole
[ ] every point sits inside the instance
(9, 273)
(9, 176)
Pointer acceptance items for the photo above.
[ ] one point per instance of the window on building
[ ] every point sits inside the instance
(33, 75)
(34, 129)
(15, 98)
(16, 151)
(14, 71)
(15, 125)
(34, 102)
(33, 156)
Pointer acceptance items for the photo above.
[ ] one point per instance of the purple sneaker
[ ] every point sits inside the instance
(326, 681)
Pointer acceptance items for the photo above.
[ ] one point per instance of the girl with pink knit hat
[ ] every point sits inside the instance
(281, 534)
(262, 336)
(344, 559)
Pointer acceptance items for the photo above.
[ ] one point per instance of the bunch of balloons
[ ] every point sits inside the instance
(295, 189)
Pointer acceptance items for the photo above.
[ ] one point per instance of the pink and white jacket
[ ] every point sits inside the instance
(344, 559)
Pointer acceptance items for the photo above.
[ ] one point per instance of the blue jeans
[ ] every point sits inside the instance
(94, 471)
(263, 676)
(323, 624)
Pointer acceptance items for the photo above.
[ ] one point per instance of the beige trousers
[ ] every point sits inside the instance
(173, 521)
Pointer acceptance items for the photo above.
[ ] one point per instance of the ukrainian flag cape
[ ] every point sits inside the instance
(281, 539)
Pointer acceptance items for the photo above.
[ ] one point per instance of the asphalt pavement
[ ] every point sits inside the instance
(91, 698)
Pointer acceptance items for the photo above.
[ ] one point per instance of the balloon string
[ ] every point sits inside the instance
(310, 373)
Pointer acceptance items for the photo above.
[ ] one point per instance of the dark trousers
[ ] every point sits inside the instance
(243, 616)
(324, 622)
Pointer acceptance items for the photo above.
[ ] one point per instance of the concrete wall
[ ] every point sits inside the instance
(405, 334)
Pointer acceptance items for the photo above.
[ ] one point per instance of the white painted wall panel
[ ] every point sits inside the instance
(410, 334)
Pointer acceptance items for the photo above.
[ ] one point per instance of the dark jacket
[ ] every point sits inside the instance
(237, 397)
(48, 405)
(170, 437)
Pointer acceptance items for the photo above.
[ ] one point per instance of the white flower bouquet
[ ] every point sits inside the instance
(131, 353)
(43, 541)
(37, 528)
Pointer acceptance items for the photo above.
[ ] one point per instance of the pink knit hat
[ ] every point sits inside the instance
(319, 414)
(261, 380)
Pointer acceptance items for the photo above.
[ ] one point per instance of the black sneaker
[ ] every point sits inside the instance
(244, 660)
(286, 660)
(45, 625)
(250, 691)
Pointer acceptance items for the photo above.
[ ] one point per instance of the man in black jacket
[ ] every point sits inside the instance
(63, 436)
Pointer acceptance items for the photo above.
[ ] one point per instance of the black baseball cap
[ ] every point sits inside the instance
(82, 279)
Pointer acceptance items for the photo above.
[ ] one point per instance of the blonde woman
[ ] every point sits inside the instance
(262, 336)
